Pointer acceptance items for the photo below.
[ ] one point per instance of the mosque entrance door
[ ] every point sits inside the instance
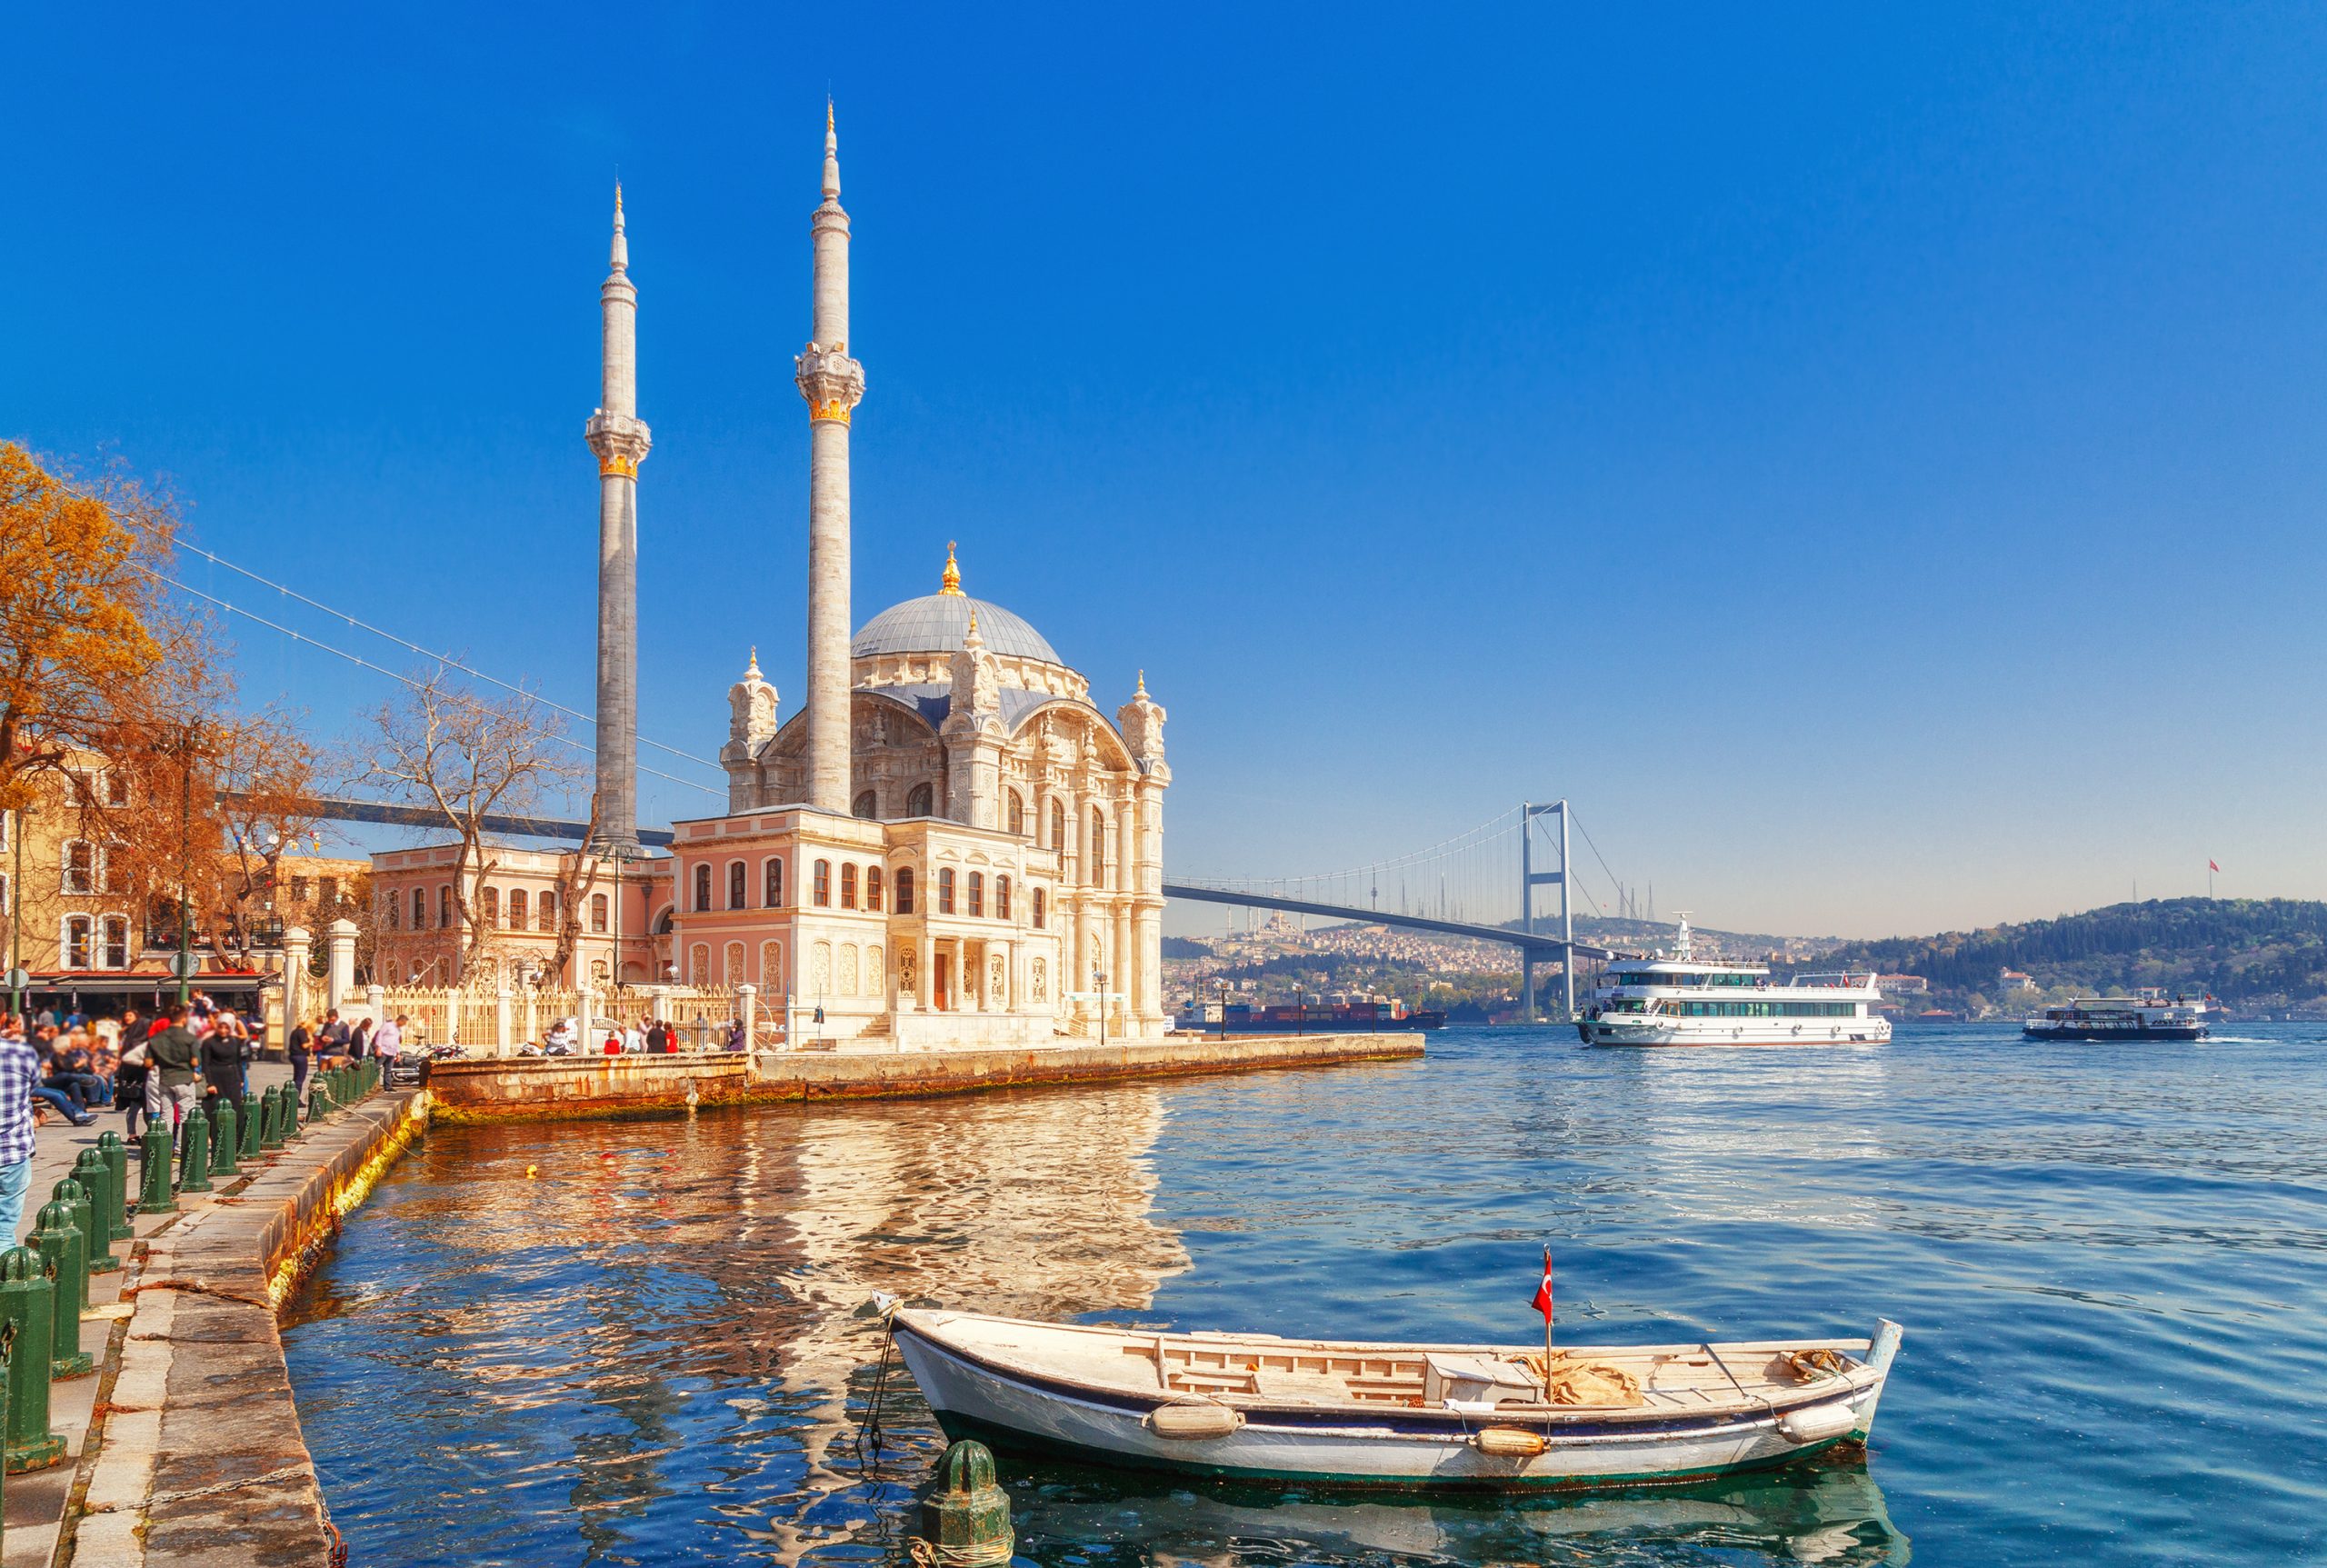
(942, 982)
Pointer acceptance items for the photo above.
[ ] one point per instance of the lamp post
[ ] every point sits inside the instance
(16, 917)
(1101, 977)
(1224, 1008)
(185, 874)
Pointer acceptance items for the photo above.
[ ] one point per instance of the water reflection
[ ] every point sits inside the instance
(1828, 1514)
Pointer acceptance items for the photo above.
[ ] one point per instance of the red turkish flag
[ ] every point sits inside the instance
(1544, 1291)
(2212, 867)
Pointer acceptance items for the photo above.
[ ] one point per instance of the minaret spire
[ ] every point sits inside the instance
(833, 385)
(621, 439)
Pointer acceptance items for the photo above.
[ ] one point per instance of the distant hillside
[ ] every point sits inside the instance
(2268, 952)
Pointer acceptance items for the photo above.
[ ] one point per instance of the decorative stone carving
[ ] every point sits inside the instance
(833, 383)
(1042, 982)
(906, 980)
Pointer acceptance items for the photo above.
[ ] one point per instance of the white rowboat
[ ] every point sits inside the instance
(1338, 1414)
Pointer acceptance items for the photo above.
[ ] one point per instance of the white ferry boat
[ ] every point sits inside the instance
(1684, 999)
(2144, 1016)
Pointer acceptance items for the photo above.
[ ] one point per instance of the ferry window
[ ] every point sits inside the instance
(822, 886)
(1002, 898)
(771, 883)
(945, 890)
(736, 884)
(872, 887)
(702, 887)
(847, 885)
(905, 889)
(977, 892)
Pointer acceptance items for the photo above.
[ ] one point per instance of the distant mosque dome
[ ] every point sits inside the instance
(936, 623)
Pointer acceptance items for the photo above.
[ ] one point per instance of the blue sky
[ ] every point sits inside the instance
(1869, 459)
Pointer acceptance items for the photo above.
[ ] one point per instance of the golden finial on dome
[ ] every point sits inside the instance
(753, 672)
(952, 583)
(974, 621)
(1142, 684)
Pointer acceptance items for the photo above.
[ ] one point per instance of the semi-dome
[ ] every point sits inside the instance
(936, 623)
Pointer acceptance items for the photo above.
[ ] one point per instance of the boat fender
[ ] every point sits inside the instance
(1817, 1423)
(1508, 1442)
(1193, 1421)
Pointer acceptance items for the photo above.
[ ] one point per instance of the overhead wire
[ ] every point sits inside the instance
(357, 659)
(444, 659)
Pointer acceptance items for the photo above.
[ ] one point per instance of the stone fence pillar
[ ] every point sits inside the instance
(298, 943)
(501, 1022)
(375, 1002)
(584, 1044)
(747, 1008)
(339, 938)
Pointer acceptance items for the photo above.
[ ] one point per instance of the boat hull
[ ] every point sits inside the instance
(1842, 1032)
(2156, 1031)
(1412, 1450)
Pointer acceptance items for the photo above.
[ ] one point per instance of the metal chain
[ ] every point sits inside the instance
(983, 1554)
(216, 1488)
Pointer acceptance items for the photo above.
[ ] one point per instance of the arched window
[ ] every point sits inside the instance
(116, 948)
(1098, 871)
(1038, 908)
(392, 907)
(518, 908)
(701, 888)
(919, 801)
(546, 910)
(77, 929)
(944, 890)
(734, 884)
(872, 887)
(977, 892)
(867, 805)
(419, 909)
(491, 899)
(1002, 898)
(905, 889)
(771, 883)
(444, 904)
(1017, 817)
(80, 872)
(598, 909)
(1058, 826)
(823, 885)
(848, 884)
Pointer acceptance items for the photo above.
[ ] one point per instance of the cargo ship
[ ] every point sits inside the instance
(2144, 1016)
(1304, 1018)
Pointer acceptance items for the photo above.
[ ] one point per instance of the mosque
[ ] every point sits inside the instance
(949, 843)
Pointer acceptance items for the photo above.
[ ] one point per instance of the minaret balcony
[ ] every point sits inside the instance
(620, 440)
(833, 383)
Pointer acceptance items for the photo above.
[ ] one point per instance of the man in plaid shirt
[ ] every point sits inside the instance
(20, 1073)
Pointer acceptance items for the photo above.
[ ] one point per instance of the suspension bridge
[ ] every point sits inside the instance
(1482, 884)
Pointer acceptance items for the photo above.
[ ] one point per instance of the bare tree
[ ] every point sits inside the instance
(469, 757)
(577, 874)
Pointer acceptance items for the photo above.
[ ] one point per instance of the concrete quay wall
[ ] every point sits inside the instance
(547, 1088)
(196, 1458)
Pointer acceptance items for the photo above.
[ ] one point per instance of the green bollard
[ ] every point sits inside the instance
(270, 1120)
(250, 1129)
(318, 1102)
(95, 1172)
(27, 1301)
(116, 1153)
(290, 1128)
(965, 1512)
(221, 1153)
(76, 1199)
(194, 1157)
(63, 1255)
(155, 1197)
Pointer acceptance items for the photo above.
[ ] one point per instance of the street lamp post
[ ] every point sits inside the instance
(16, 917)
(185, 872)
(1103, 1006)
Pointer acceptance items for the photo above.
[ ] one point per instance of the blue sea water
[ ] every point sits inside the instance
(2107, 1259)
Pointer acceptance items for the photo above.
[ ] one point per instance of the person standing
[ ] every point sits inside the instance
(172, 1058)
(388, 1045)
(332, 1039)
(296, 1045)
(223, 1051)
(129, 1083)
(19, 1070)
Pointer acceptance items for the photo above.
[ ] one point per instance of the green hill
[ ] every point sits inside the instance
(2251, 952)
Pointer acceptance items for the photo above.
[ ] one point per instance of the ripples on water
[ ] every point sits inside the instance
(2107, 1259)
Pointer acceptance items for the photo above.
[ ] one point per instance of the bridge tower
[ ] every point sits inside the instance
(1529, 879)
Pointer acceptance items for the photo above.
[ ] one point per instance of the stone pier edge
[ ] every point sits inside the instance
(568, 1088)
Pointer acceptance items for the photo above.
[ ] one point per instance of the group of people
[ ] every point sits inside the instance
(639, 1037)
(334, 1042)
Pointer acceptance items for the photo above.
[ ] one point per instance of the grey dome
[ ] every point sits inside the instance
(936, 623)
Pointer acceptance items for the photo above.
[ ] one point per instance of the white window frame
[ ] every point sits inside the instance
(65, 868)
(65, 941)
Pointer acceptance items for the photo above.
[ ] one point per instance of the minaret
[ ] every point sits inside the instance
(620, 439)
(833, 385)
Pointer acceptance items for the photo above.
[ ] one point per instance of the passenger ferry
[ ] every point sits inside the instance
(1684, 999)
(2144, 1016)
